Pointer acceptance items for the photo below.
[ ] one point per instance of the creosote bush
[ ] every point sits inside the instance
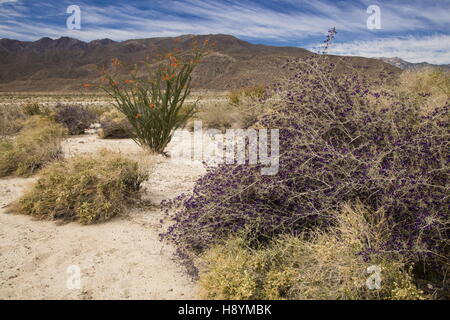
(337, 145)
(34, 109)
(324, 265)
(38, 143)
(88, 189)
(236, 96)
(76, 119)
(249, 103)
(218, 116)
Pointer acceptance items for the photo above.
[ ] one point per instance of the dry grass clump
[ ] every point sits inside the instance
(241, 110)
(235, 97)
(99, 109)
(11, 119)
(88, 189)
(430, 80)
(220, 116)
(37, 144)
(326, 265)
(428, 89)
(115, 125)
(35, 109)
(250, 103)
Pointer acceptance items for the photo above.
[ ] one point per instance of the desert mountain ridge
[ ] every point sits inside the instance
(65, 64)
(405, 65)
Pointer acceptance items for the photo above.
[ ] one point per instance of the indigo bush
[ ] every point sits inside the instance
(337, 145)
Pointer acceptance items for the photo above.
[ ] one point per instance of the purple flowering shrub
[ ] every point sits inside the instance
(337, 145)
(76, 119)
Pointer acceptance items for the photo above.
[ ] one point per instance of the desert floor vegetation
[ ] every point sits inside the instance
(76, 119)
(121, 258)
(115, 125)
(326, 264)
(37, 144)
(345, 141)
(88, 189)
(362, 185)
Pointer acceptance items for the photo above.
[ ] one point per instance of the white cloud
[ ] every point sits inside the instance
(5, 1)
(249, 19)
(252, 21)
(433, 49)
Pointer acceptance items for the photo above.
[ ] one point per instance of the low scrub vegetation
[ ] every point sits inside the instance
(37, 144)
(88, 189)
(115, 125)
(241, 109)
(75, 118)
(12, 118)
(343, 139)
(219, 115)
(324, 265)
(236, 97)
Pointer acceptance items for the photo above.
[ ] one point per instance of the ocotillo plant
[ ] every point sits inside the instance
(155, 106)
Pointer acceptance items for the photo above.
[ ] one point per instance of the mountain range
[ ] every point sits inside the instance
(65, 64)
(405, 65)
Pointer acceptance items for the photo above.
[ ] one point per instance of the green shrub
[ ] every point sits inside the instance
(325, 266)
(235, 97)
(114, 125)
(37, 144)
(88, 189)
(33, 109)
(249, 104)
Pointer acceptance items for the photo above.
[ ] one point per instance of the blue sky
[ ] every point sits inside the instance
(415, 30)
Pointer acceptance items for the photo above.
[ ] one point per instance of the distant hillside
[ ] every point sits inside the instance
(66, 63)
(405, 65)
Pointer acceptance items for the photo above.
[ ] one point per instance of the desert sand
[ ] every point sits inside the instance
(119, 259)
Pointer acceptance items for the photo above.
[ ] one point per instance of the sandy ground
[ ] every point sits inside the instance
(120, 259)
